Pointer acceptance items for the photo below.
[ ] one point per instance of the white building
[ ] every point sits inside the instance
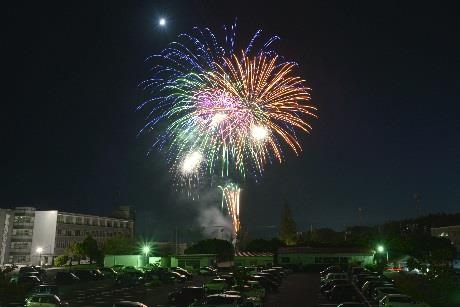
(6, 228)
(35, 236)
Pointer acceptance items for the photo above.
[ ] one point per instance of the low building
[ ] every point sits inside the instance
(194, 261)
(253, 259)
(322, 256)
(37, 236)
(450, 232)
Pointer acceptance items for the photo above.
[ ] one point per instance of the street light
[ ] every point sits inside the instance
(381, 250)
(39, 250)
(146, 251)
(162, 22)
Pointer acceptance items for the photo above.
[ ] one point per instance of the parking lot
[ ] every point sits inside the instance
(296, 289)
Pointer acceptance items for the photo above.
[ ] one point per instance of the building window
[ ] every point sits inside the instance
(78, 220)
(86, 220)
(68, 233)
(59, 231)
(69, 219)
(109, 223)
(77, 233)
(22, 219)
(60, 218)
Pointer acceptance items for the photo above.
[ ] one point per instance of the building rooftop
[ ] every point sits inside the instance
(324, 250)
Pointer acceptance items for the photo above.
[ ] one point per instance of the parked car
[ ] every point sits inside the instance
(64, 277)
(380, 292)
(108, 272)
(230, 279)
(186, 295)
(368, 288)
(221, 300)
(183, 272)
(86, 275)
(251, 289)
(207, 270)
(44, 300)
(400, 300)
(329, 285)
(28, 281)
(118, 267)
(334, 276)
(216, 285)
(352, 304)
(264, 282)
(340, 293)
(44, 289)
(331, 269)
(178, 276)
(129, 304)
(130, 278)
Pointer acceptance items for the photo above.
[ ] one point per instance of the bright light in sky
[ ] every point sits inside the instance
(259, 133)
(162, 22)
(191, 162)
(217, 119)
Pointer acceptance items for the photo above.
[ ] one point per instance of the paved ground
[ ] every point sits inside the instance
(296, 290)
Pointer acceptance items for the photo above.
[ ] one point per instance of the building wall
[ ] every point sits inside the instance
(6, 228)
(44, 235)
(73, 227)
(21, 236)
(324, 259)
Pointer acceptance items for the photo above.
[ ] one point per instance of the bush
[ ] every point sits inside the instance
(61, 260)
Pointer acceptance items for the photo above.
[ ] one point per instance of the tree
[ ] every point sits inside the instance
(75, 251)
(90, 248)
(262, 245)
(222, 248)
(288, 228)
(120, 245)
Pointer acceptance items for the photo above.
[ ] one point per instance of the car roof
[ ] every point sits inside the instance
(44, 294)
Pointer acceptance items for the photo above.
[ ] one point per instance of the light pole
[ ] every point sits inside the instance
(381, 250)
(39, 250)
(146, 250)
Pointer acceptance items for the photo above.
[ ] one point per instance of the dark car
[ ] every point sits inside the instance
(230, 279)
(340, 293)
(64, 277)
(130, 278)
(108, 272)
(331, 269)
(272, 279)
(329, 285)
(207, 271)
(85, 275)
(368, 288)
(27, 269)
(352, 304)
(178, 276)
(29, 281)
(44, 289)
(129, 304)
(186, 296)
(183, 272)
(265, 282)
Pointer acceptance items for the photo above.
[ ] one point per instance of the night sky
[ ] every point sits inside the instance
(385, 77)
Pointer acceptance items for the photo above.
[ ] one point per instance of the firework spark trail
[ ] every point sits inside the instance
(231, 198)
